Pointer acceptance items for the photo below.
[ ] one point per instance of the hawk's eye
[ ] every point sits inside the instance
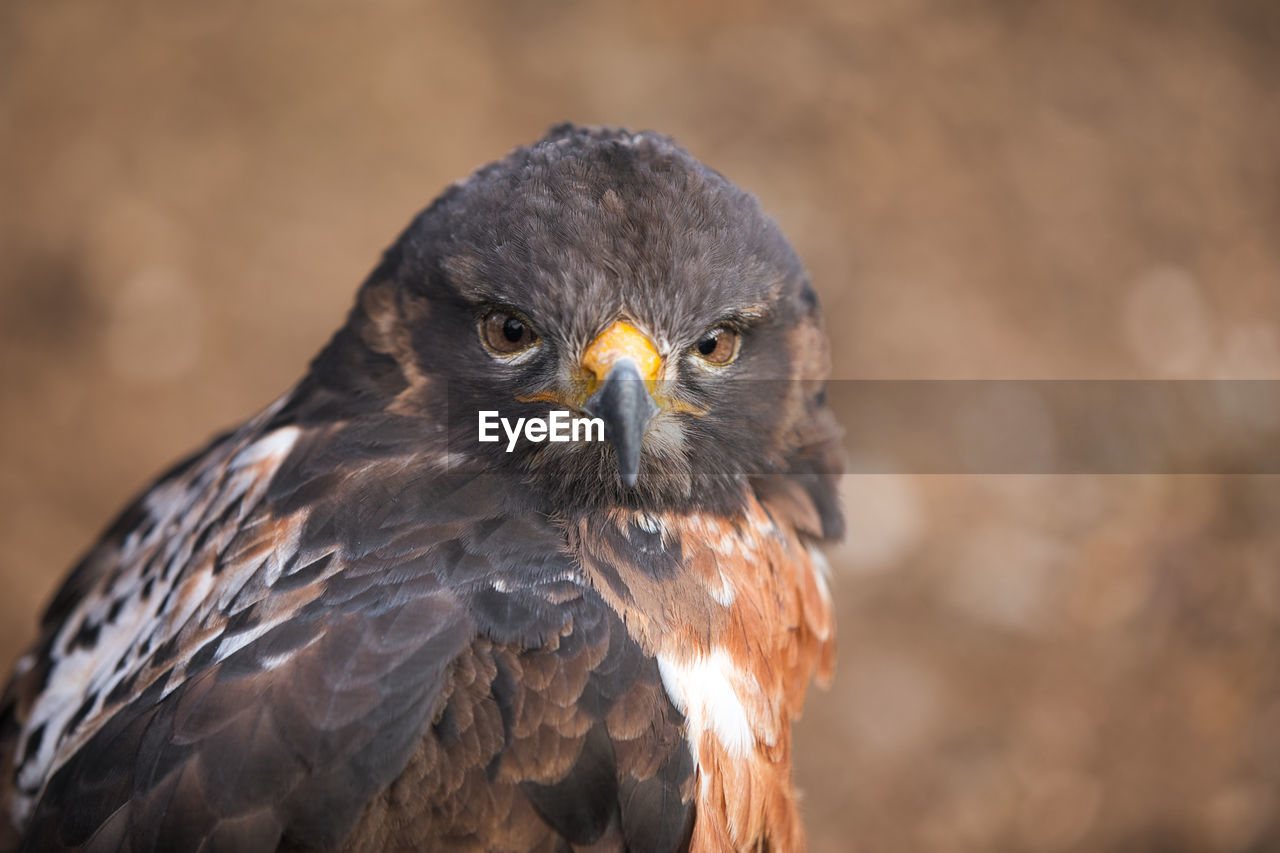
(718, 346)
(506, 333)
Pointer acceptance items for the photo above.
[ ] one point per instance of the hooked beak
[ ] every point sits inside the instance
(624, 365)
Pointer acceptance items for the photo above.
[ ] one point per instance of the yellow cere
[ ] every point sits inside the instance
(621, 340)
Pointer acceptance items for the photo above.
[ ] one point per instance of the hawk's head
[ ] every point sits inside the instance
(609, 274)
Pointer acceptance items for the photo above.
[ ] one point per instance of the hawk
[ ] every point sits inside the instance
(349, 624)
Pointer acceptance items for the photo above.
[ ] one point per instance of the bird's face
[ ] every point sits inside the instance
(615, 277)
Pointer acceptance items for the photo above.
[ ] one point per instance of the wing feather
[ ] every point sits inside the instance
(366, 651)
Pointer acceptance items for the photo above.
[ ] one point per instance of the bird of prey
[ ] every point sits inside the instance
(349, 624)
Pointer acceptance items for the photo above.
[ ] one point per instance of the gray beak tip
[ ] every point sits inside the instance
(624, 404)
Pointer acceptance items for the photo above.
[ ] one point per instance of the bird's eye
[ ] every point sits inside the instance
(718, 346)
(506, 333)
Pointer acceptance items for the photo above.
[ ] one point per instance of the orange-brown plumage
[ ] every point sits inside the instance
(750, 591)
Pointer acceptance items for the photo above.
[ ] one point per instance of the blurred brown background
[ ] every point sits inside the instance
(981, 189)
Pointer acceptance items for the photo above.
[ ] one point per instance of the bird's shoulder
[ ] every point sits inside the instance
(172, 563)
(301, 630)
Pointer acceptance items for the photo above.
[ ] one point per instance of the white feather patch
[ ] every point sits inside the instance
(709, 692)
(822, 579)
(273, 446)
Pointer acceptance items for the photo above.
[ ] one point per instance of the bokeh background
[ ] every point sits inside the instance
(981, 189)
